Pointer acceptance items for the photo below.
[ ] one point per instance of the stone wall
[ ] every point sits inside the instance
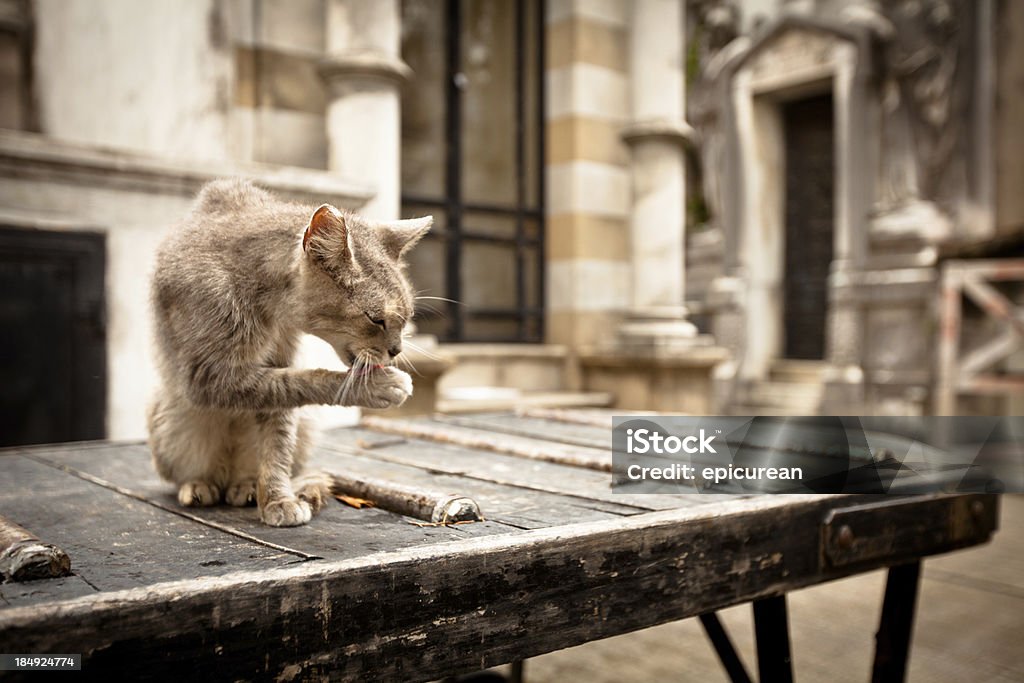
(146, 76)
(207, 80)
(134, 200)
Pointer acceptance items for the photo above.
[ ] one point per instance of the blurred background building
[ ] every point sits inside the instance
(706, 206)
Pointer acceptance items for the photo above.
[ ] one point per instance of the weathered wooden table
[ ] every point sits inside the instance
(367, 594)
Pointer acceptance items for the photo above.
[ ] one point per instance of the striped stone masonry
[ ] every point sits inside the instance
(588, 181)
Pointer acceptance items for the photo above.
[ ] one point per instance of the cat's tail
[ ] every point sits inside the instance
(314, 488)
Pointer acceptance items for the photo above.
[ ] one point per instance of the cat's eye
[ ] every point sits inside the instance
(379, 322)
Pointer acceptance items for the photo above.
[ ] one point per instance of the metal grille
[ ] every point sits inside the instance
(455, 320)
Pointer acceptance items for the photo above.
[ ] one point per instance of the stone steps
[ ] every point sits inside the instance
(793, 387)
(526, 367)
(495, 400)
(803, 371)
(501, 377)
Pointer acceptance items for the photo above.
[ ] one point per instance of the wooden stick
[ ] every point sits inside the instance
(23, 557)
(430, 506)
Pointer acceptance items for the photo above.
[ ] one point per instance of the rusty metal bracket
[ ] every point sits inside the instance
(906, 527)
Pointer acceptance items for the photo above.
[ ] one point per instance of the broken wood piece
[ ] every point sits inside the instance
(430, 506)
(23, 557)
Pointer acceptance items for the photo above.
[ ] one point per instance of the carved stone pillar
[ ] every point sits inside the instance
(364, 72)
(656, 135)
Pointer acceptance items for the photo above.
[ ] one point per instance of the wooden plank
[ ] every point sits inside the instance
(512, 505)
(424, 613)
(118, 542)
(988, 354)
(50, 590)
(523, 447)
(95, 445)
(995, 384)
(337, 532)
(523, 400)
(587, 436)
(535, 475)
(993, 302)
(594, 417)
(950, 320)
(990, 269)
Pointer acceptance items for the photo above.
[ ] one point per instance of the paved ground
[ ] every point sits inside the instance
(970, 628)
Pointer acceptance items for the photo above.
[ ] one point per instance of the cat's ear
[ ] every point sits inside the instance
(400, 236)
(327, 236)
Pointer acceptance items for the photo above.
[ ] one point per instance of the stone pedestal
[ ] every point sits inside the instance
(659, 330)
(662, 382)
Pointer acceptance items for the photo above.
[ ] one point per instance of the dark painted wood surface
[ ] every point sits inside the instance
(367, 594)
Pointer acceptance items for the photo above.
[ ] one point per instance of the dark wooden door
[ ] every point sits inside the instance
(810, 189)
(53, 367)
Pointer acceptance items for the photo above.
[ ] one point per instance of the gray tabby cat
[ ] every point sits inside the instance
(234, 288)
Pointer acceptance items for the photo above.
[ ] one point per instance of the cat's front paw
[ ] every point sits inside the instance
(389, 388)
(286, 512)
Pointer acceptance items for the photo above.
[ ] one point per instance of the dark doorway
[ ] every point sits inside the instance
(810, 188)
(53, 363)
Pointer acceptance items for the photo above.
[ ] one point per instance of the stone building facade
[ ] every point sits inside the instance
(845, 147)
(613, 206)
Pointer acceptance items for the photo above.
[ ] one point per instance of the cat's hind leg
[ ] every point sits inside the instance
(190, 448)
(241, 492)
(198, 493)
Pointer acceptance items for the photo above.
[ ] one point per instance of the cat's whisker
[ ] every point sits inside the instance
(417, 347)
(408, 362)
(431, 309)
(364, 379)
(438, 298)
(346, 385)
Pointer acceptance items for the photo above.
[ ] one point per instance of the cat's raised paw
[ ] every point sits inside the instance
(389, 388)
(242, 493)
(286, 512)
(198, 494)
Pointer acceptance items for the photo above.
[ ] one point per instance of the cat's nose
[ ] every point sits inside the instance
(395, 350)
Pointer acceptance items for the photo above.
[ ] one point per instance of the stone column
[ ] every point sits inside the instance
(656, 136)
(364, 73)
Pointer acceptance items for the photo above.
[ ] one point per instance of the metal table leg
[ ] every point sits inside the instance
(892, 641)
(723, 646)
(771, 629)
